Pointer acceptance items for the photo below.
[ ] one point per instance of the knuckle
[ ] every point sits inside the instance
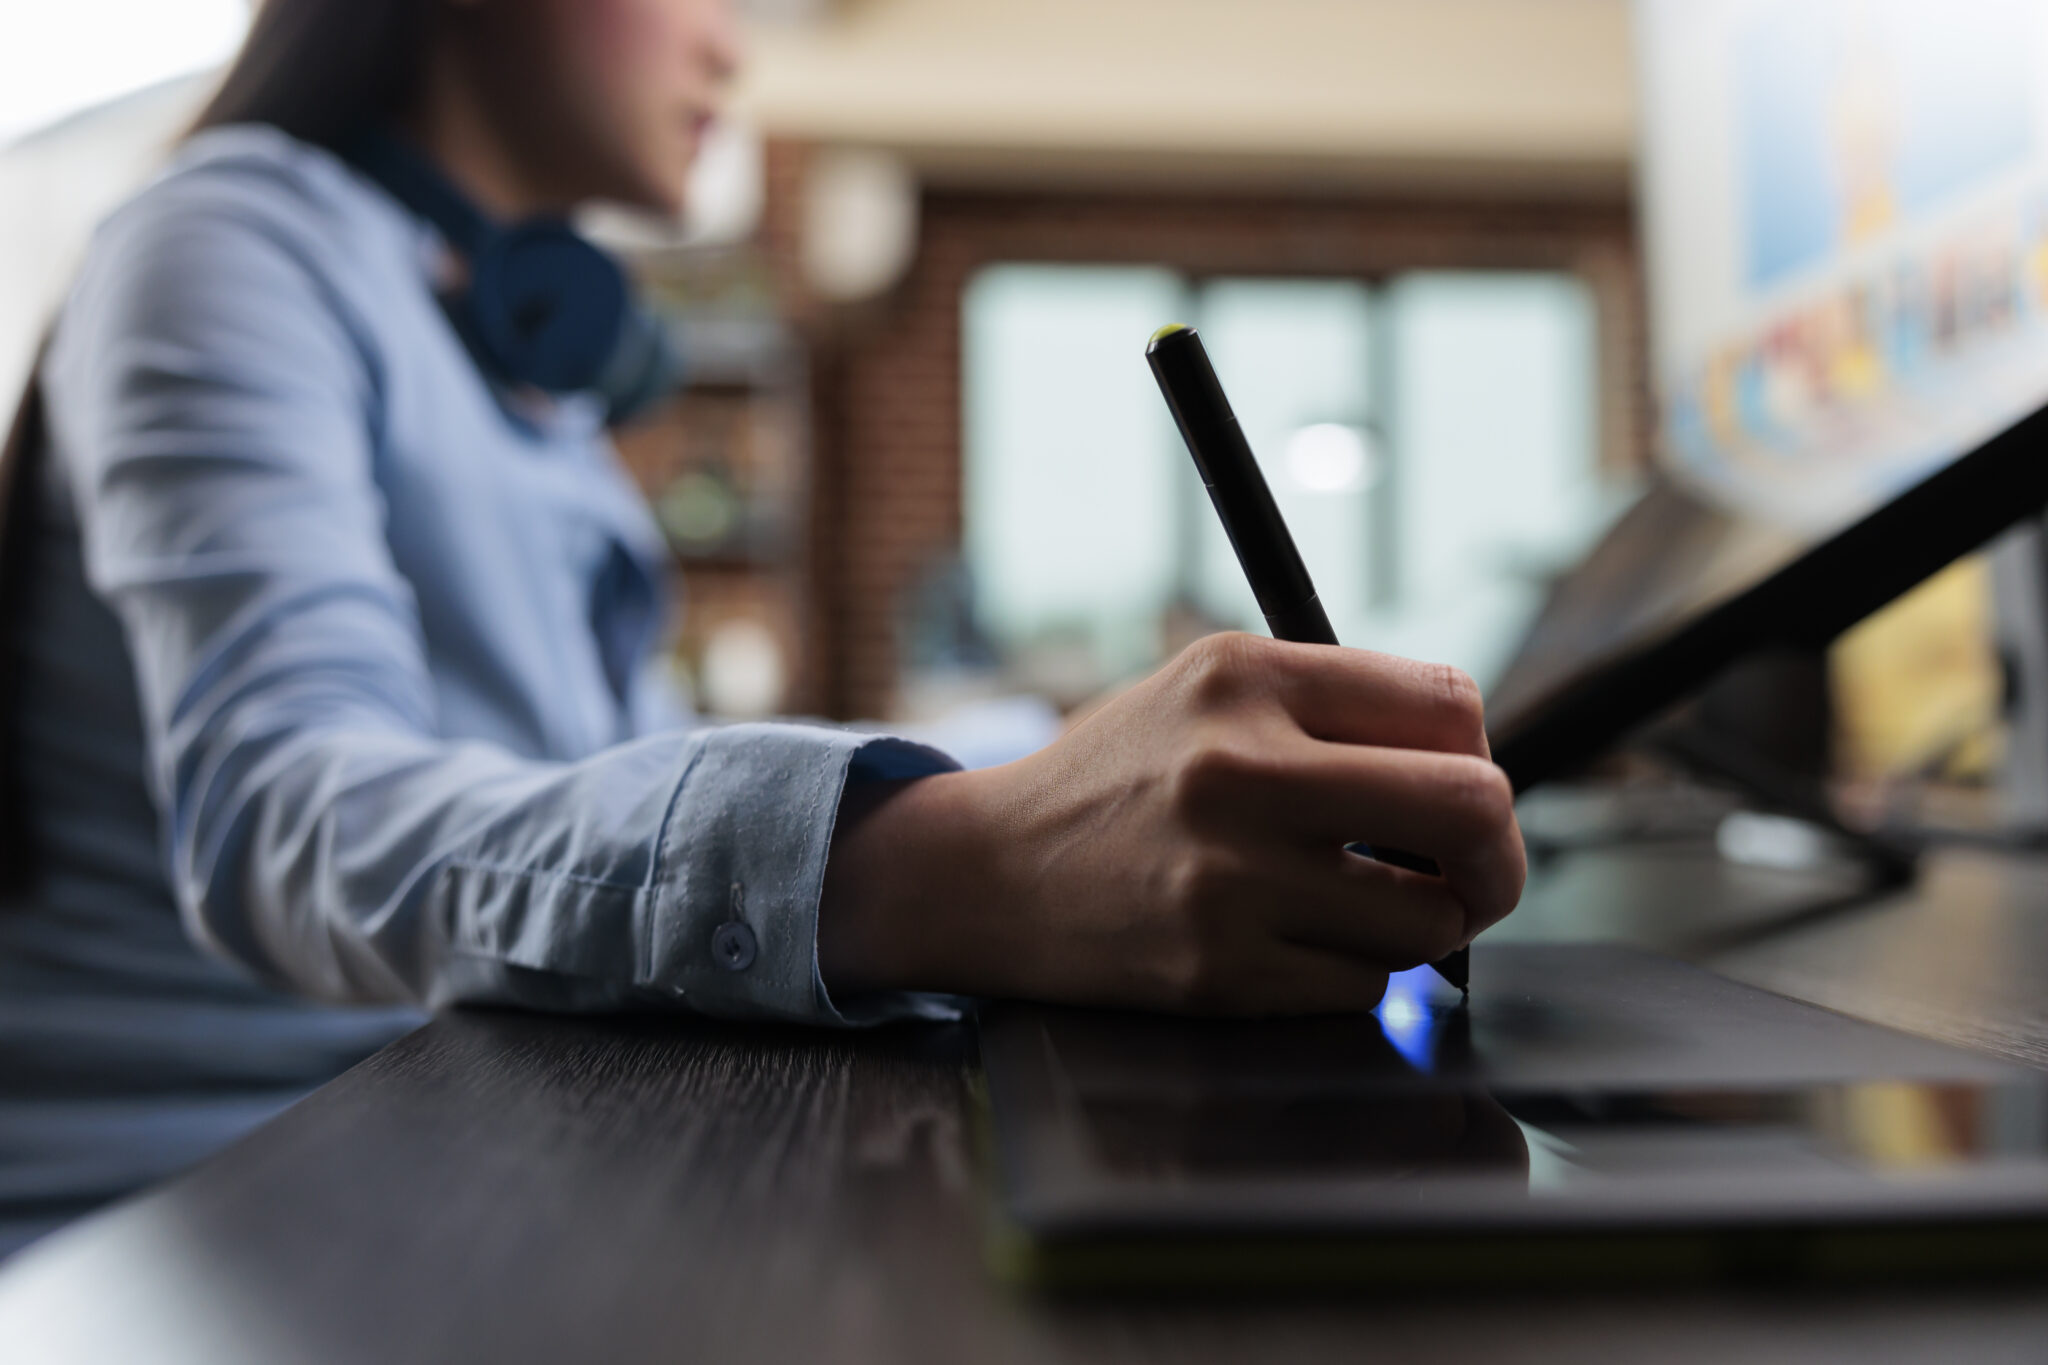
(1175, 973)
(1219, 668)
(1197, 966)
(1197, 883)
(1211, 775)
(1189, 973)
(1457, 696)
(1205, 985)
(1482, 798)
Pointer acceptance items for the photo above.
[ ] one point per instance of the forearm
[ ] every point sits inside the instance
(364, 864)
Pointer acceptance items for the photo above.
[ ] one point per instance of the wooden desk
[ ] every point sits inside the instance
(508, 1188)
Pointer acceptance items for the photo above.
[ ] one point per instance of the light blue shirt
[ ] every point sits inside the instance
(377, 722)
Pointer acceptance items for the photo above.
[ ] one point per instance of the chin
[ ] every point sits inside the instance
(661, 197)
(674, 199)
(665, 188)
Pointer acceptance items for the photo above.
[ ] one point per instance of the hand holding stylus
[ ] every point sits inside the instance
(1265, 548)
(1184, 847)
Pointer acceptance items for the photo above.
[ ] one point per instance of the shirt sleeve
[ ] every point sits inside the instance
(214, 408)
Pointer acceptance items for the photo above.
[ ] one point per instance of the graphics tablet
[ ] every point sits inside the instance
(1680, 589)
(1592, 1113)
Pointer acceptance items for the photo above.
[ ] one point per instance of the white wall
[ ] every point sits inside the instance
(57, 184)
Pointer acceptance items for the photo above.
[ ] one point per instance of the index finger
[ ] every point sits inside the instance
(1357, 696)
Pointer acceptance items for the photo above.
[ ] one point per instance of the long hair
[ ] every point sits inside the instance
(321, 69)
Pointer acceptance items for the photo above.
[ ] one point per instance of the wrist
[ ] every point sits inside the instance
(908, 885)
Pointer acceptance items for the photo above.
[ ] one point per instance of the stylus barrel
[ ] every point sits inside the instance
(1237, 488)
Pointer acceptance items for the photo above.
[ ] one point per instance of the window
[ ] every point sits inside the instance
(1430, 439)
(1070, 488)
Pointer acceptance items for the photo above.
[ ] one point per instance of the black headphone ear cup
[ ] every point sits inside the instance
(547, 307)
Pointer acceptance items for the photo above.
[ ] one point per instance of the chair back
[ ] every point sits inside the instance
(25, 439)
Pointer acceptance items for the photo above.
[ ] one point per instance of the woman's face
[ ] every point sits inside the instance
(610, 98)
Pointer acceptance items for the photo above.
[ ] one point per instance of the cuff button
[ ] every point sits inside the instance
(733, 946)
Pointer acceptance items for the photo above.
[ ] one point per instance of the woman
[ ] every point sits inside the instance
(330, 692)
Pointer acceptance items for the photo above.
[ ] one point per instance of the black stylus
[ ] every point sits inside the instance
(1252, 520)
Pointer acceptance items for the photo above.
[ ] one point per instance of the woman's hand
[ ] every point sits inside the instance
(1183, 847)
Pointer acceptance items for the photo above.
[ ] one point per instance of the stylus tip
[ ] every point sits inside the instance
(1457, 969)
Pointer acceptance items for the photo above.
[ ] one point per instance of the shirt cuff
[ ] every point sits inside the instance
(740, 869)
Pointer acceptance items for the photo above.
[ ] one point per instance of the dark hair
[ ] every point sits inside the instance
(320, 69)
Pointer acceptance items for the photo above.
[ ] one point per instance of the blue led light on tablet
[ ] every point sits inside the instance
(1407, 1018)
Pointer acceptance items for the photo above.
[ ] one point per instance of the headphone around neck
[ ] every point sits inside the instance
(543, 306)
